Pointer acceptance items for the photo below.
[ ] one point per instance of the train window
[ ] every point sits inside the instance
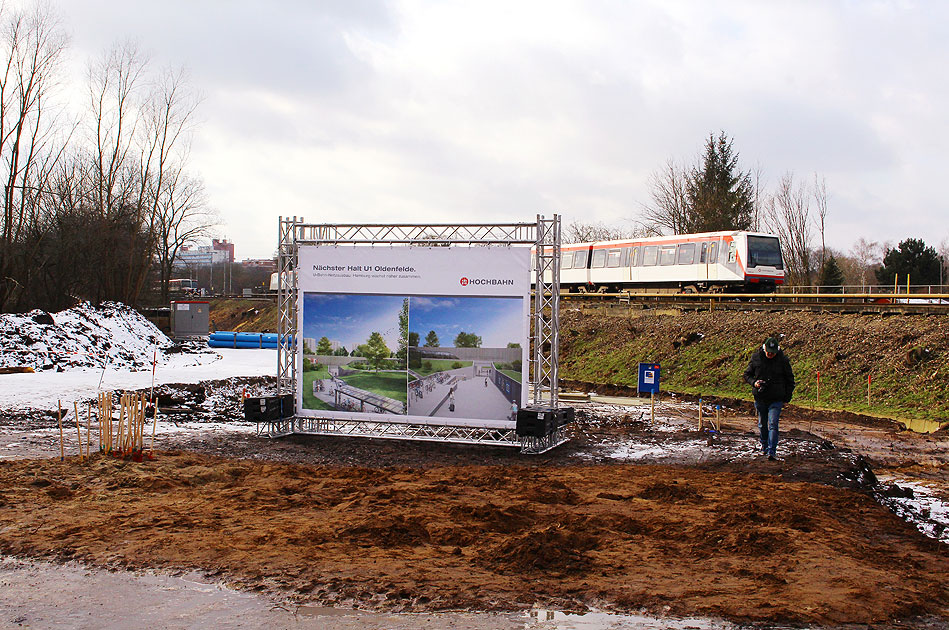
(764, 250)
(703, 255)
(634, 257)
(650, 255)
(613, 258)
(599, 258)
(686, 255)
(580, 260)
(667, 255)
(566, 260)
(713, 252)
(731, 252)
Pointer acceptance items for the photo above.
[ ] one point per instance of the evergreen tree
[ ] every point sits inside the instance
(413, 339)
(719, 196)
(911, 259)
(831, 277)
(431, 339)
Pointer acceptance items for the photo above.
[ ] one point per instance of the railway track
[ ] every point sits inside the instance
(866, 303)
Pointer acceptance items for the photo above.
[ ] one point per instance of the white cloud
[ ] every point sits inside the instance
(416, 111)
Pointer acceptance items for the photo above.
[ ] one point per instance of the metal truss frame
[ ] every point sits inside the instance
(544, 236)
(407, 431)
(546, 327)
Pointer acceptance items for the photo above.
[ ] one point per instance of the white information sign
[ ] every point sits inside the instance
(422, 334)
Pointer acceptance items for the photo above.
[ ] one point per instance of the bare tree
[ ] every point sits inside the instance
(141, 137)
(867, 257)
(181, 218)
(757, 177)
(789, 216)
(669, 208)
(32, 45)
(166, 142)
(577, 232)
(943, 261)
(820, 218)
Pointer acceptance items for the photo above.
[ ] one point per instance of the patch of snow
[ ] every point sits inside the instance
(111, 335)
(925, 509)
(42, 389)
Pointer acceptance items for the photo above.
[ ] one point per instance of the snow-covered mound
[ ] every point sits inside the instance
(111, 335)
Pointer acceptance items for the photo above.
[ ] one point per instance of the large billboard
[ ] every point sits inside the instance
(422, 334)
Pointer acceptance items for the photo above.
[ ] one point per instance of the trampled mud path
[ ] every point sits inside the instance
(673, 540)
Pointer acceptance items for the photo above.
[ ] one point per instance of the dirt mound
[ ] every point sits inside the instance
(661, 539)
(111, 334)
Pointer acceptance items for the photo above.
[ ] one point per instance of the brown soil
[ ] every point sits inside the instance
(673, 540)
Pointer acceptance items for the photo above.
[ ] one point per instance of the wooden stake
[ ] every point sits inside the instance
(652, 407)
(62, 453)
(88, 427)
(75, 407)
(700, 413)
(119, 433)
(154, 426)
(869, 378)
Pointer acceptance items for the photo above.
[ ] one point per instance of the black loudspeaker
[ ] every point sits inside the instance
(268, 408)
(539, 421)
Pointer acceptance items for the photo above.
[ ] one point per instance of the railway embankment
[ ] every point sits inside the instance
(904, 358)
(889, 366)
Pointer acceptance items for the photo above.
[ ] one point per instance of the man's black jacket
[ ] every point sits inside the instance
(776, 374)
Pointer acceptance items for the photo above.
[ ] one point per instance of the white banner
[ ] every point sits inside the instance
(470, 271)
(417, 334)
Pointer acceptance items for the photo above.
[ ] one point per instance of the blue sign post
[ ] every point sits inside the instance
(649, 382)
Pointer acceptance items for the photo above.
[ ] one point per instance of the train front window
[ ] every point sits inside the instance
(764, 251)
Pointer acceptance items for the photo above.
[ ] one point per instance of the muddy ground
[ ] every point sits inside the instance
(631, 515)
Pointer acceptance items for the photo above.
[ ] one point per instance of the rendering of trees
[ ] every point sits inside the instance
(467, 340)
(323, 347)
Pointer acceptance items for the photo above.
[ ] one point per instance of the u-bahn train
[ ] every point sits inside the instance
(711, 261)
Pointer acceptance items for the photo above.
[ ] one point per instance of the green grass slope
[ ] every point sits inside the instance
(906, 357)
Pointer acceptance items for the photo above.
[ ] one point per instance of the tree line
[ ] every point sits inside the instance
(714, 193)
(95, 203)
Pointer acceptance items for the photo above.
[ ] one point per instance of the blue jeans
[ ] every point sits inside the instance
(768, 425)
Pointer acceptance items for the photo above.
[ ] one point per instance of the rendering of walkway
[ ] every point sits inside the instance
(472, 398)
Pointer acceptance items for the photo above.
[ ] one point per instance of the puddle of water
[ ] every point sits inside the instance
(539, 618)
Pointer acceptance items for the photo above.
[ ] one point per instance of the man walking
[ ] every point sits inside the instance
(769, 373)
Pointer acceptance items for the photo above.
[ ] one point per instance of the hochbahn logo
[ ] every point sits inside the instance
(485, 281)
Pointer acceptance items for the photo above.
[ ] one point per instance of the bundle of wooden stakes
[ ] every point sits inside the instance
(124, 437)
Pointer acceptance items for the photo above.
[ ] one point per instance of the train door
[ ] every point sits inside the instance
(703, 264)
(730, 262)
(712, 260)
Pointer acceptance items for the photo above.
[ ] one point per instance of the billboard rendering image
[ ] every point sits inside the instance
(426, 334)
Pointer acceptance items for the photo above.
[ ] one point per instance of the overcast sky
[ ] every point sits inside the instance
(353, 111)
